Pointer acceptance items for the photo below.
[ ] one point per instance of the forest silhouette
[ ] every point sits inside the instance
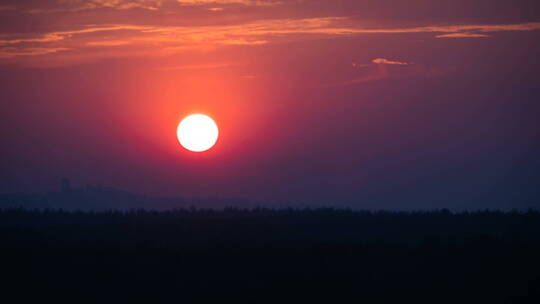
(271, 255)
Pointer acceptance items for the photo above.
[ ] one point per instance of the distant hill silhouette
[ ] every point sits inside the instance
(94, 198)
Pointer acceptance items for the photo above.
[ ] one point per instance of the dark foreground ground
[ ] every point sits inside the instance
(299, 256)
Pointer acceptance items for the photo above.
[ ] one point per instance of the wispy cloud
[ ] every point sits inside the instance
(470, 29)
(224, 2)
(106, 43)
(206, 66)
(157, 40)
(14, 52)
(63, 35)
(462, 35)
(82, 5)
(386, 61)
(73, 6)
(378, 61)
(382, 68)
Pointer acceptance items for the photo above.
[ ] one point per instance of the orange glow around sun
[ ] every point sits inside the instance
(197, 132)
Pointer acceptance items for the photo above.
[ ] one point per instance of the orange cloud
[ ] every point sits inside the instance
(107, 43)
(198, 66)
(157, 40)
(14, 52)
(483, 28)
(386, 61)
(222, 2)
(462, 35)
(81, 5)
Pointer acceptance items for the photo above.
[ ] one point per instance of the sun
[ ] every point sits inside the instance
(197, 132)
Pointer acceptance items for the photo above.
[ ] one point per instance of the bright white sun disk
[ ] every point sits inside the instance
(197, 132)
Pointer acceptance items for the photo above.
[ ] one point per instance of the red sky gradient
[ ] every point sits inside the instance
(370, 104)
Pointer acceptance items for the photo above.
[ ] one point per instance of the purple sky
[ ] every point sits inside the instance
(369, 104)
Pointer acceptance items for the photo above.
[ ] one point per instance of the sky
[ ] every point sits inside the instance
(418, 104)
